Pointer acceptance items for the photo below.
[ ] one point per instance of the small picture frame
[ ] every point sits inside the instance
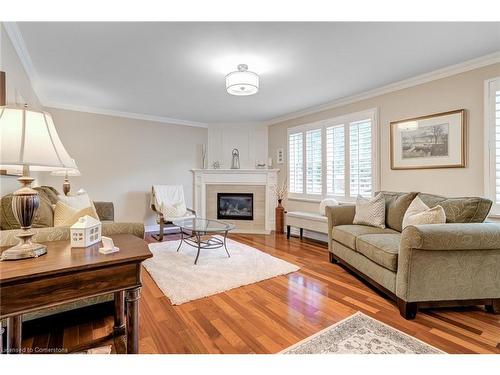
(427, 142)
(280, 156)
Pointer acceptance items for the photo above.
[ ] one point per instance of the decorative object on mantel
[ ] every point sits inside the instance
(432, 141)
(260, 165)
(85, 232)
(216, 165)
(280, 156)
(29, 140)
(235, 163)
(203, 156)
(280, 191)
(66, 173)
(270, 163)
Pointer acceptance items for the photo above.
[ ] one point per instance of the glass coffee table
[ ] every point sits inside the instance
(200, 233)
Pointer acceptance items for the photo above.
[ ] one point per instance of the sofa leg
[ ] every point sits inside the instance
(332, 257)
(288, 232)
(494, 307)
(408, 310)
(301, 231)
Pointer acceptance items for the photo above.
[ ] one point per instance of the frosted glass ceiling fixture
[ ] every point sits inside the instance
(242, 82)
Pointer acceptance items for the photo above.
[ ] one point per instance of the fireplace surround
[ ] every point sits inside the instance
(261, 182)
(235, 206)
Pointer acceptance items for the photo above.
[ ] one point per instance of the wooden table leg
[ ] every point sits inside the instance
(14, 334)
(119, 327)
(132, 299)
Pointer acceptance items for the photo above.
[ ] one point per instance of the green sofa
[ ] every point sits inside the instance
(44, 233)
(433, 265)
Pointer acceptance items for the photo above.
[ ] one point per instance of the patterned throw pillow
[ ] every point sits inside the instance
(370, 212)
(419, 213)
(66, 216)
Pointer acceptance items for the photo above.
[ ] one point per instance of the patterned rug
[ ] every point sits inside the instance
(360, 334)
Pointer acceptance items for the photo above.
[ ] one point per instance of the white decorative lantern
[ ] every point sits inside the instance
(85, 232)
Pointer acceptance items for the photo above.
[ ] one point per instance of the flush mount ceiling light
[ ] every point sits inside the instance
(242, 82)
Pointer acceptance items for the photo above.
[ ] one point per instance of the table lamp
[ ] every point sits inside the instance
(66, 173)
(29, 140)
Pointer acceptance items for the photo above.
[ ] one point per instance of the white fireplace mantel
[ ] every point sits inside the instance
(262, 177)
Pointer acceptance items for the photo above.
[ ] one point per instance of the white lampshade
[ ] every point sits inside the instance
(66, 172)
(242, 82)
(29, 138)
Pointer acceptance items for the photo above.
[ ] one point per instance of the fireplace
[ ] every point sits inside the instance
(235, 206)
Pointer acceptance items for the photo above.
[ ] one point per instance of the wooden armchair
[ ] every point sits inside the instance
(167, 201)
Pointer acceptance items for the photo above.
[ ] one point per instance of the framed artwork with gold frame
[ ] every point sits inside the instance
(432, 141)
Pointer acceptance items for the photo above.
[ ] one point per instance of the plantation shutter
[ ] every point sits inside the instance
(313, 162)
(335, 160)
(295, 162)
(360, 145)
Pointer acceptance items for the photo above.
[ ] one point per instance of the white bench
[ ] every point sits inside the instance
(306, 220)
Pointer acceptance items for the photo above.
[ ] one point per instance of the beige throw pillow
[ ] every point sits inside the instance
(370, 212)
(66, 216)
(419, 213)
(79, 201)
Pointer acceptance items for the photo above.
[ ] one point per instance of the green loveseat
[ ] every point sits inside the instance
(44, 232)
(433, 265)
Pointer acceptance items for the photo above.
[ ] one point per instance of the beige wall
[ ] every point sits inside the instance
(464, 90)
(121, 158)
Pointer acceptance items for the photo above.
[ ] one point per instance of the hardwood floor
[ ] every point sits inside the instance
(271, 315)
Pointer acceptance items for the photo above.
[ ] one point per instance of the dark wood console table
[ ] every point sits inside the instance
(68, 274)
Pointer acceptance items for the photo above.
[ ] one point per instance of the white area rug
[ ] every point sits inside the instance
(182, 281)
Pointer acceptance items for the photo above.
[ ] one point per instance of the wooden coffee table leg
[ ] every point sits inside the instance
(132, 299)
(14, 334)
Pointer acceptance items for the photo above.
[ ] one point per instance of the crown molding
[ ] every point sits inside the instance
(17, 41)
(130, 115)
(19, 45)
(396, 86)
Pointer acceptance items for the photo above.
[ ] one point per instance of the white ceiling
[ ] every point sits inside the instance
(176, 70)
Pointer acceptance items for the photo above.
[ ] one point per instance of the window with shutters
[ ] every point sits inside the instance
(339, 157)
(313, 162)
(295, 163)
(335, 160)
(492, 139)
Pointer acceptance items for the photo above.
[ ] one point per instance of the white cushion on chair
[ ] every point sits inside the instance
(169, 200)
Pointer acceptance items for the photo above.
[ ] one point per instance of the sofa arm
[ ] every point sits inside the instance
(105, 211)
(443, 262)
(342, 214)
(110, 228)
(470, 236)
